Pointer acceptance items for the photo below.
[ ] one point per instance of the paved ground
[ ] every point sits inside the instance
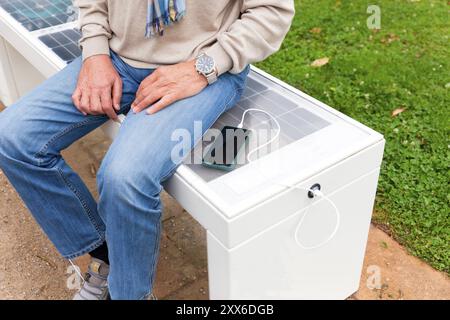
(30, 268)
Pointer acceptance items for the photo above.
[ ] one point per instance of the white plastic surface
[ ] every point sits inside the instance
(272, 266)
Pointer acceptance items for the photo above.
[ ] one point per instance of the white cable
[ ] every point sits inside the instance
(241, 124)
(316, 193)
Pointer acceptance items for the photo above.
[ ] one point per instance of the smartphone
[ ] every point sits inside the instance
(223, 153)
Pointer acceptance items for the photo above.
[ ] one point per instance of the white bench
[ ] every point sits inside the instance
(251, 217)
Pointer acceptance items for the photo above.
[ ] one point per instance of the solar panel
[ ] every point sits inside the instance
(40, 14)
(63, 43)
(253, 88)
(295, 120)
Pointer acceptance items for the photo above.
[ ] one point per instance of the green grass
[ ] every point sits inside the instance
(406, 64)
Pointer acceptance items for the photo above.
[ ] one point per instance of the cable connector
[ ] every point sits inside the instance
(314, 192)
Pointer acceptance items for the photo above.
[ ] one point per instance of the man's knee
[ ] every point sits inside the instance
(10, 136)
(23, 137)
(128, 180)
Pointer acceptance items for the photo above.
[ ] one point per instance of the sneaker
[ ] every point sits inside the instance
(95, 285)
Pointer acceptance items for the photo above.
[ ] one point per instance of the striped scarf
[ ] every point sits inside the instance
(161, 13)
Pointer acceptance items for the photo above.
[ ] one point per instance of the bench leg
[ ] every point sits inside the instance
(219, 272)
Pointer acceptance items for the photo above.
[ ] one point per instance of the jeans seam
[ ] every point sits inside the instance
(82, 202)
(58, 135)
(154, 262)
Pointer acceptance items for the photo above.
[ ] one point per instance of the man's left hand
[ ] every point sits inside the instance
(167, 85)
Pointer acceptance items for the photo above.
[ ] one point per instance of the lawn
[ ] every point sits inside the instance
(404, 66)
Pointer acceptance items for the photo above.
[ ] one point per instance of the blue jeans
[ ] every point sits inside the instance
(128, 214)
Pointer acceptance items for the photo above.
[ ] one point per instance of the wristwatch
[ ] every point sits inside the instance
(206, 66)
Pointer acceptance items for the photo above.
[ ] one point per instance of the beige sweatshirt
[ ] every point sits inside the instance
(234, 32)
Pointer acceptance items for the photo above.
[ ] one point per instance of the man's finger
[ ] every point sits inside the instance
(140, 95)
(105, 98)
(76, 99)
(76, 96)
(161, 104)
(147, 101)
(152, 78)
(117, 93)
(148, 91)
(143, 92)
(142, 86)
(107, 105)
(95, 106)
(84, 102)
(145, 84)
(111, 113)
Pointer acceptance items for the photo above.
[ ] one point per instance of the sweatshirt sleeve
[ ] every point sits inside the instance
(256, 35)
(94, 27)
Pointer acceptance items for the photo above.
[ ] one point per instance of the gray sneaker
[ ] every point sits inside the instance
(95, 285)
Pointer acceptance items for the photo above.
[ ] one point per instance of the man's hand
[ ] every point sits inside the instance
(99, 88)
(167, 85)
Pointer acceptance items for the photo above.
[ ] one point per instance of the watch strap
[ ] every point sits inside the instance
(212, 77)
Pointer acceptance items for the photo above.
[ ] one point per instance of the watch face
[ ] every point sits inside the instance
(205, 64)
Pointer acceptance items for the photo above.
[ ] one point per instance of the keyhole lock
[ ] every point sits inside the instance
(313, 188)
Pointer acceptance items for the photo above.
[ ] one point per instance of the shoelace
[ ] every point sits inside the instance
(92, 290)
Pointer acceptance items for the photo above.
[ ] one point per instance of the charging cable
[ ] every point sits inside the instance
(315, 192)
(241, 125)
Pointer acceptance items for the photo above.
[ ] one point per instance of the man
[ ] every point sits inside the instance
(164, 63)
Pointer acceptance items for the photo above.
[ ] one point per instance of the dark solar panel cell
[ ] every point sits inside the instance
(256, 86)
(41, 24)
(72, 34)
(8, 7)
(61, 38)
(63, 53)
(53, 21)
(62, 17)
(63, 43)
(49, 41)
(74, 49)
(19, 17)
(248, 92)
(311, 118)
